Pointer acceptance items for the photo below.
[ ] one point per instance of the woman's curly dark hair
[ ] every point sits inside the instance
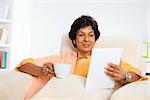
(82, 22)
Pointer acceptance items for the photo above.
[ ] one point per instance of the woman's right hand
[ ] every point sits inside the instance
(48, 69)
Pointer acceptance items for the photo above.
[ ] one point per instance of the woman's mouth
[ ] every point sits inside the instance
(86, 45)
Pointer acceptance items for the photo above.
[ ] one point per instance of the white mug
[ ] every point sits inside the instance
(62, 70)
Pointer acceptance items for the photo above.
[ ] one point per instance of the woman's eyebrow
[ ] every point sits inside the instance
(85, 32)
(91, 31)
(81, 31)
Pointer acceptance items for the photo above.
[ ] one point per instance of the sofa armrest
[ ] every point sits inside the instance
(139, 90)
(13, 85)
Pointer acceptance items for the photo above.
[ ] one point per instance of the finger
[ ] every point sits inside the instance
(51, 72)
(114, 66)
(109, 68)
(50, 76)
(48, 70)
(114, 75)
(49, 66)
(110, 73)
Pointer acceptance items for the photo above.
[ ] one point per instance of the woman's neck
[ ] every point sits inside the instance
(83, 54)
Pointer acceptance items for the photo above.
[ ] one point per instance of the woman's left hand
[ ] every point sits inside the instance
(116, 72)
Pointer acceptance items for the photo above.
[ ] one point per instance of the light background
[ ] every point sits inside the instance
(39, 24)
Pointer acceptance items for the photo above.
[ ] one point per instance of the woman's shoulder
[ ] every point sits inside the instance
(69, 52)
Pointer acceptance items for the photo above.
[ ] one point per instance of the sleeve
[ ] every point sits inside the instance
(130, 68)
(52, 59)
(67, 57)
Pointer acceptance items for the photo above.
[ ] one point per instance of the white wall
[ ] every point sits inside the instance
(42, 22)
(21, 31)
(148, 19)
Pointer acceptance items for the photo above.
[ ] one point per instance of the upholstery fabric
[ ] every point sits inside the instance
(70, 88)
(13, 85)
(139, 90)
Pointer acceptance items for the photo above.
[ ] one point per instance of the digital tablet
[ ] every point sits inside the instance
(96, 77)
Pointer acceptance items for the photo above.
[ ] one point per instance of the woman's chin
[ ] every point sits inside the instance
(87, 50)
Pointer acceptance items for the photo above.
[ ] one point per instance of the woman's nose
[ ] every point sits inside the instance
(86, 38)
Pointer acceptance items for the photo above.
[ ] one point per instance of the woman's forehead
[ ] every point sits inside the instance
(86, 29)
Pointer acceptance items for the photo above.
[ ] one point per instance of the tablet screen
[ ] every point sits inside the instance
(96, 77)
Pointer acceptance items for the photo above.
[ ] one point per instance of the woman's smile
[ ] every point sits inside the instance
(86, 45)
(85, 39)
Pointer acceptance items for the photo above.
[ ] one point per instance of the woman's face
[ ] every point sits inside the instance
(85, 39)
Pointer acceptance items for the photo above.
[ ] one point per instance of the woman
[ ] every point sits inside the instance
(84, 33)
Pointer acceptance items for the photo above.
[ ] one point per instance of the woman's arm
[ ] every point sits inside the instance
(35, 70)
(119, 74)
(31, 69)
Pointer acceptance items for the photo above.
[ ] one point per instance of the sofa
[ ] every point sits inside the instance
(14, 85)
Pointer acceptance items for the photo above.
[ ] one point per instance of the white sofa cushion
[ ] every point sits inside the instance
(139, 90)
(13, 85)
(70, 88)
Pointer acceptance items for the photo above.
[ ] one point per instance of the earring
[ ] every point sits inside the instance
(74, 42)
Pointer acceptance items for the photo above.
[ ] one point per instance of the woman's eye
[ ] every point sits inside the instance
(80, 34)
(91, 35)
